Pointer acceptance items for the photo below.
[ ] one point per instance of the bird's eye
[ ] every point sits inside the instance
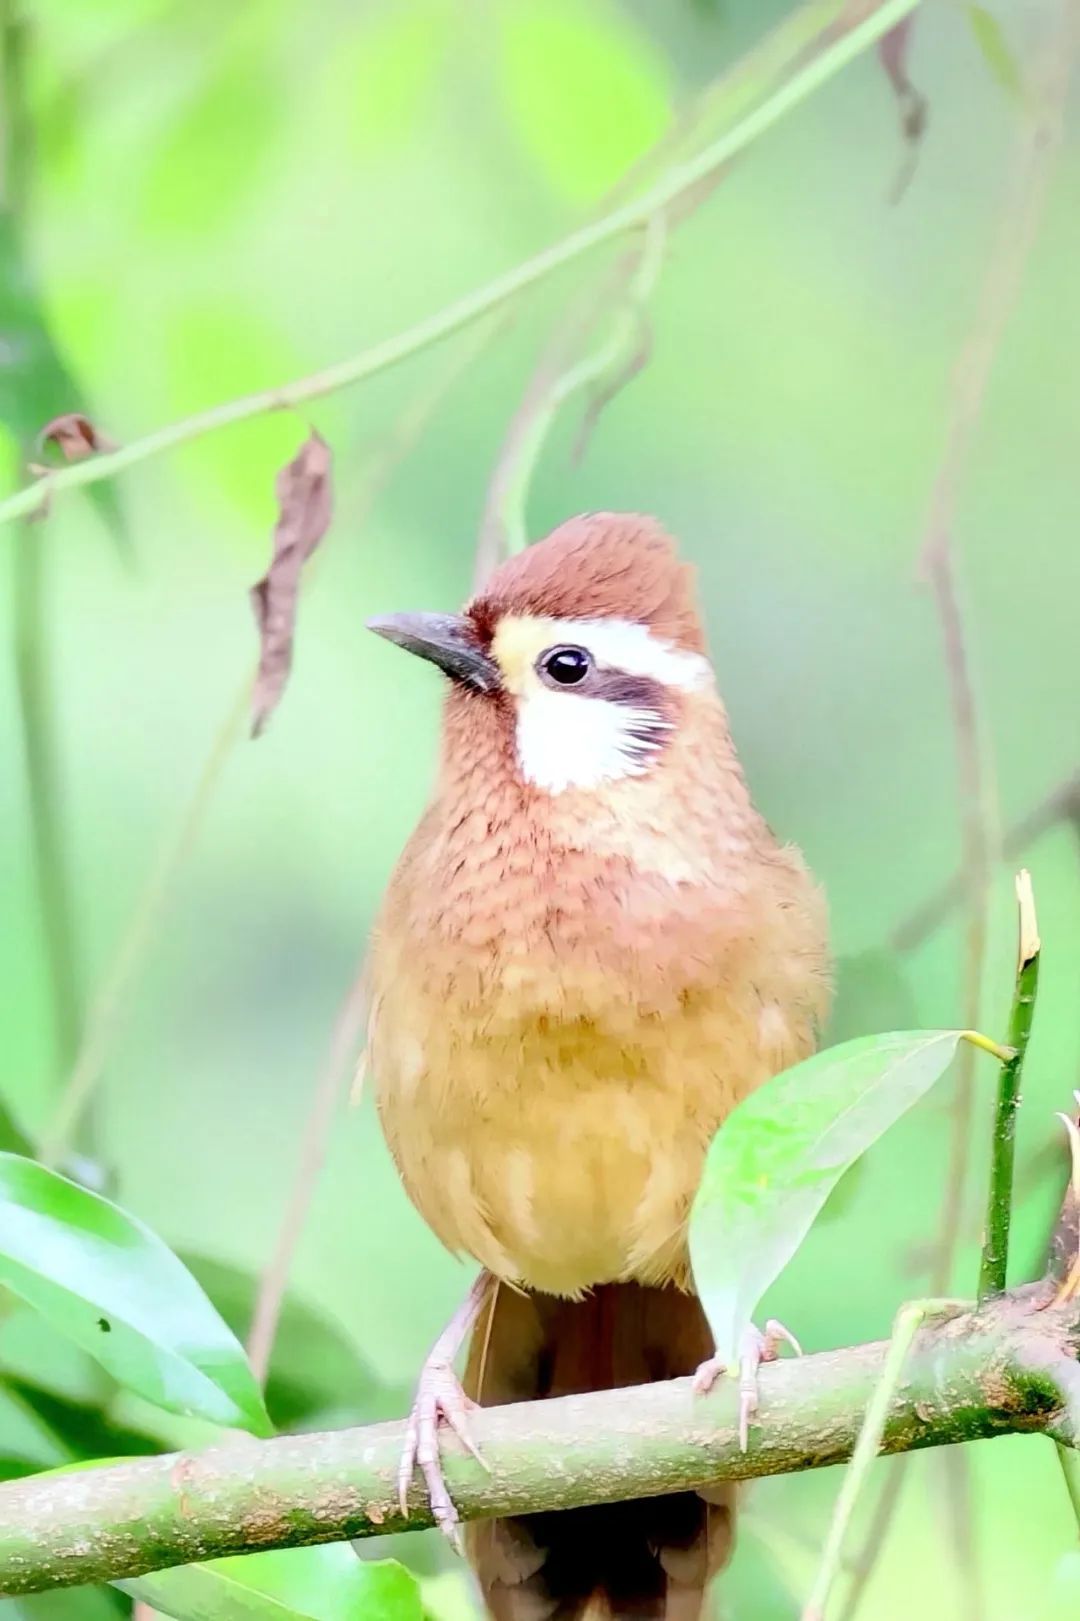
(565, 666)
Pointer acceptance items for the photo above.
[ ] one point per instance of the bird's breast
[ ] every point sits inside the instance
(565, 1152)
(564, 1013)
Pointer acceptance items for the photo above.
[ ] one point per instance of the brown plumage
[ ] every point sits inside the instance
(599, 566)
(592, 947)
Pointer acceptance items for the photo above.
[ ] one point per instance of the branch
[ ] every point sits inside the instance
(1038, 144)
(503, 524)
(1003, 1368)
(345, 1041)
(682, 177)
(32, 623)
(1021, 215)
(1061, 804)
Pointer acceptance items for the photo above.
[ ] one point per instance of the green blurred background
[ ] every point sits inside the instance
(225, 197)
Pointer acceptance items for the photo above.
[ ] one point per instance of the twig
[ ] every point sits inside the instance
(909, 1319)
(33, 676)
(503, 526)
(1021, 211)
(959, 1532)
(975, 819)
(682, 177)
(41, 751)
(978, 1374)
(995, 1255)
(1020, 217)
(344, 1041)
(862, 1565)
(108, 1006)
(493, 541)
(1061, 804)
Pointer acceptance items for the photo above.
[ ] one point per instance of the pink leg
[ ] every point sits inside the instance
(440, 1399)
(756, 1348)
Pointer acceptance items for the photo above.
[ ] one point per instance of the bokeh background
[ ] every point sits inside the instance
(223, 198)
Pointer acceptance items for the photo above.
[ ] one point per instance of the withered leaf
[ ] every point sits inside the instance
(74, 436)
(893, 50)
(305, 502)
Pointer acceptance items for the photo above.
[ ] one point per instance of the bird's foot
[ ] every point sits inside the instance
(756, 1348)
(439, 1400)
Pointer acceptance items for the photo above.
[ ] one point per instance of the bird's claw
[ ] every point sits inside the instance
(756, 1348)
(439, 1400)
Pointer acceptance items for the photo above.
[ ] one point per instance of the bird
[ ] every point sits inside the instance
(592, 947)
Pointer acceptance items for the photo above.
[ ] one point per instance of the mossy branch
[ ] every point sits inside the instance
(1008, 1366)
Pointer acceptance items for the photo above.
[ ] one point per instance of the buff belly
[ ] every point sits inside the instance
(565, 1157)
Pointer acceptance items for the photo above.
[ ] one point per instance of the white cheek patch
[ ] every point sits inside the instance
(565, 741)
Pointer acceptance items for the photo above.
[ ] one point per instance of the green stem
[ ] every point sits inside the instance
(995, 1254)
(88, 1060)
(909, 1319)
(37, 708)
(629, 216)
(37, 720)
(516, 476)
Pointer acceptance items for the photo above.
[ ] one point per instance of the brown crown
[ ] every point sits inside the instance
(602, 565)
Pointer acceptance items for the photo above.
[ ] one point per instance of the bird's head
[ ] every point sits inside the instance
(586, 650)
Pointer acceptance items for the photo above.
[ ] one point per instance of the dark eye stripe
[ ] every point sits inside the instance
(636, 691)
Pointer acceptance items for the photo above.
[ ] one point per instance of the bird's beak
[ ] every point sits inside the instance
(444, 639)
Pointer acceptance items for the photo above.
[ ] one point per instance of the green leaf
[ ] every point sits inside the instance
(105, 1280)
(82, 1428)
(778, 1156)
(13, 1467)
(27, 1433)
(12, 1139)
(313, 1366)
(990, 38)
(587, 97)
(72, 1604)
(295, 1584)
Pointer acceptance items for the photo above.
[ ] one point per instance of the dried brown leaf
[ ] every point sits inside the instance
(74, 436)
(893, 51)
(305, 502)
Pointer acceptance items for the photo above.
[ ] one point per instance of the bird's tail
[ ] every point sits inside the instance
(649, 1560)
